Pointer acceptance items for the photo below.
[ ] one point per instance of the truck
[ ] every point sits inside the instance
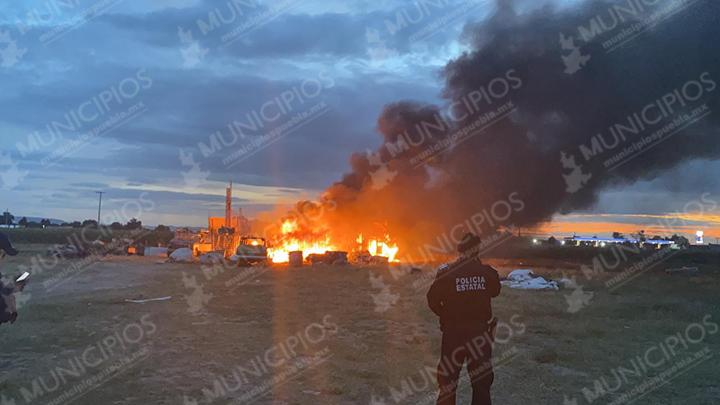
(252, 250)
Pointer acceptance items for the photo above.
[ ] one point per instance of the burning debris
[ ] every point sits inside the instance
(313, 242)
(330, 257)
(296, 238)
(519, 139)
(516, 141)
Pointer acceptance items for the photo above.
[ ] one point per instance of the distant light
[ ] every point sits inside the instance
(562, 242)
(535, 241)
(602, 244)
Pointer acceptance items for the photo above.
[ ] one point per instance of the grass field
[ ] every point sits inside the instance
(342, 335)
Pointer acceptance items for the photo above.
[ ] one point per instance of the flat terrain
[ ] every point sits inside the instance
(343, 335)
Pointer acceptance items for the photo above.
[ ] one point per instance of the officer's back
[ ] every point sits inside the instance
(461, 296)
(8, 311)
(462, 292)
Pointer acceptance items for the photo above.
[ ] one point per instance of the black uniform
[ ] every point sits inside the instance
(6, 245)
(460, 296)
(8, 311)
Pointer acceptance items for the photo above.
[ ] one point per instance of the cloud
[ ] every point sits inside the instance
(375, 53)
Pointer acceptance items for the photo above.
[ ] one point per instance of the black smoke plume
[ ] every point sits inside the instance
(568, 90)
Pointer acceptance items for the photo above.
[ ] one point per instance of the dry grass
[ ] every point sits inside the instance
(552, 353)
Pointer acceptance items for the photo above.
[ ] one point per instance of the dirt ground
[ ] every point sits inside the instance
(342, 335)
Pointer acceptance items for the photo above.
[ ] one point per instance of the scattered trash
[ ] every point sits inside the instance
(685, 271)
(156, 251)
(379, 260)
(329, 257)
(316, 258)
(82, 249)
(142, 301)
(567, 283)
(336, 257)
(67, 252)
(119, 247)
(212, 258)
(527, 280)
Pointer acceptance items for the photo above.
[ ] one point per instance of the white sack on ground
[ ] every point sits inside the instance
(524, 279)
(182, 255)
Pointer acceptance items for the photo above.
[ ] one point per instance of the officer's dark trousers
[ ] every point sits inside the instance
(471, 345)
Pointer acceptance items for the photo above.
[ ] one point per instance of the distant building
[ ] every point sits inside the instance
(602, 242)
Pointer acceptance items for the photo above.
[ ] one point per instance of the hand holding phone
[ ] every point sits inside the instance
(21, 281)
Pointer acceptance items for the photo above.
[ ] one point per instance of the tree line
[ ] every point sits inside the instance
(8, 219)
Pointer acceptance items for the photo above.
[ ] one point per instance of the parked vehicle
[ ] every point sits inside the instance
(252, 250)
(178, 243)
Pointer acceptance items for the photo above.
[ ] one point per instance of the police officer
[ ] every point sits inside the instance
(8, 310)
(460, 296)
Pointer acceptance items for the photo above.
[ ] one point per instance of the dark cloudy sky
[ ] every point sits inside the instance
(128, 97)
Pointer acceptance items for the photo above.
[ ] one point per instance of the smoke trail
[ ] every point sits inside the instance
(544, 112)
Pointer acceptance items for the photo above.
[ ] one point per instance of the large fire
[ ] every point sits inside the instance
(378, 247)
(291, 239)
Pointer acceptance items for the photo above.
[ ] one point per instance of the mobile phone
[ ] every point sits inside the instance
(22, 277)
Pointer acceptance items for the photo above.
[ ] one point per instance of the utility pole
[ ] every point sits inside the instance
(100, 193)
(228, 206)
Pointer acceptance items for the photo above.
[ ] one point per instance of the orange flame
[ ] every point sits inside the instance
(292, 239)
(291, 242)
(383, 248)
